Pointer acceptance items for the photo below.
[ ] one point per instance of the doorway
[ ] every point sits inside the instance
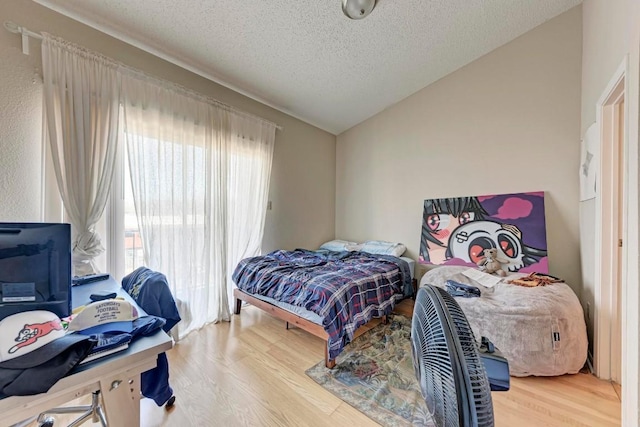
(611, 217)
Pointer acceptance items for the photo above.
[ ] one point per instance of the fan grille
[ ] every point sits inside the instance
(432, 361)
(479, 386)
(450, 372)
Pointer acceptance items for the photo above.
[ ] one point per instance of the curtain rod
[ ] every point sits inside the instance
(12, 27)
(17, 29)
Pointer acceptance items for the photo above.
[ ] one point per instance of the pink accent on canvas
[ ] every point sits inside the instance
(541, 266)
(514, 208)
(450, 261)
(443, 234)
(458, 261)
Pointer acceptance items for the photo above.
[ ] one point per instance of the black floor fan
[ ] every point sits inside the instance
(448, 364)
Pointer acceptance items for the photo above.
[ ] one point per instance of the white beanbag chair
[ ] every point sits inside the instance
(540, 330)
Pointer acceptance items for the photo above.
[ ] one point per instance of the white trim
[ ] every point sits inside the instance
(114, 213)
(120, 35)
(606, 256)
(43, 168)
(631, 292)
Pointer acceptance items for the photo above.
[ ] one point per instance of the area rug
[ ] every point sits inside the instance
(375, 375)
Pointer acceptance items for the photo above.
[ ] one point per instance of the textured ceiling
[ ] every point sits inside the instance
(305, 58)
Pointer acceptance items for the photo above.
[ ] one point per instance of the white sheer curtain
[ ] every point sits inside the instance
(81, 107)
(250, 146)
(200, 177)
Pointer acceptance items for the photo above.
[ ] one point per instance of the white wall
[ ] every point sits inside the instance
(507, 122)
(302, 187)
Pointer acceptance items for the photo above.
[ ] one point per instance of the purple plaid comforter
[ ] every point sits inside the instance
(346, 289)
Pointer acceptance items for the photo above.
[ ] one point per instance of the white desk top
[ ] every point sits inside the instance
(80, 294)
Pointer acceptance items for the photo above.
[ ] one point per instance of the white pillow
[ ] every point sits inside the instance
(354, 247)
(338, 245)
(383, 248)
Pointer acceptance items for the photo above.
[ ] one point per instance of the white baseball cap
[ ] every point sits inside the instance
(105, 316)
(31, 338)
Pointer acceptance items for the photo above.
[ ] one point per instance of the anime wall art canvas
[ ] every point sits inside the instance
(456, 231)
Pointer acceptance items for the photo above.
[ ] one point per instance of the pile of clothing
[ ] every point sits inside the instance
(38, 348)
(36, 351)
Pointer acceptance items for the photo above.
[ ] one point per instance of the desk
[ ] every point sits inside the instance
(116, 376)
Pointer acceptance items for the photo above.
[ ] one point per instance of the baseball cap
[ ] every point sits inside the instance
(112, 315)
(34, 337)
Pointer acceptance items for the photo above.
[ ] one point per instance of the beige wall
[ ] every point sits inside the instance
(611, 32)
(20, 132)
(302, 182)
(507, 122)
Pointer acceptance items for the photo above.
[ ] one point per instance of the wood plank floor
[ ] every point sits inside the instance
(250, 372)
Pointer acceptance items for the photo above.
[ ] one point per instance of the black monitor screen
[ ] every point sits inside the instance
(35, 268)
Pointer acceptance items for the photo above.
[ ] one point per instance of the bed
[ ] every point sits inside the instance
(540, 330)
(329, 294)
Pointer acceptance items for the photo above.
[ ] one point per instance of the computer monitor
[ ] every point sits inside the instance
(35, 268)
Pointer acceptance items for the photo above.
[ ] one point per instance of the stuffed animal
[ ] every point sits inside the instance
(490, 263)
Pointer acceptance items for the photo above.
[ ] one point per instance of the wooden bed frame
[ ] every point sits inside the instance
(298, 321)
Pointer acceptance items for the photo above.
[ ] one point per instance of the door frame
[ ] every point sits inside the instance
(607, 257)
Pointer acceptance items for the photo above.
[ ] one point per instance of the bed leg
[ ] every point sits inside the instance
(238, 306)
(329, 363)
(286, 325)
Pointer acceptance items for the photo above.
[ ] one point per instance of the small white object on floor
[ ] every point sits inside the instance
(485, 279)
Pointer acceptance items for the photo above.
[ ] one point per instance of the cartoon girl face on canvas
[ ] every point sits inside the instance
(441, 218)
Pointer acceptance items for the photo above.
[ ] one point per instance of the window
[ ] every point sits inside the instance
(133, 249)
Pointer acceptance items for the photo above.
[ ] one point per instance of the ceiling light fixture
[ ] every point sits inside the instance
(357, 9)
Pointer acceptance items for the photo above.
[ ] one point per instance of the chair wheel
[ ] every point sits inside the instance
(170, 402)
(48, 422)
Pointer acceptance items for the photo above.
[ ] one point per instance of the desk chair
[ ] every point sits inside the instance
(92, 412)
